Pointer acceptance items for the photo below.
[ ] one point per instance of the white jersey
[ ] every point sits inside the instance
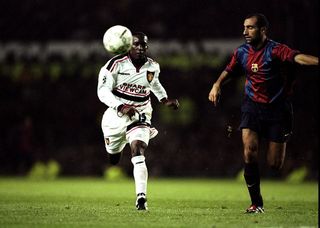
(120, 82)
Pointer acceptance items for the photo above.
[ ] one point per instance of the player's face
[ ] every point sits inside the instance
(251, 32)
(139, 47)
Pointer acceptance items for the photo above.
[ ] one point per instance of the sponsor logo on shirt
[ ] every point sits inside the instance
(132, 88)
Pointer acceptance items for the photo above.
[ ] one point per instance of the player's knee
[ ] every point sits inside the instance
(250, 154)
(114, 158)
(138, 148)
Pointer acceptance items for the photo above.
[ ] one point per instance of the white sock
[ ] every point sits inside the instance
(140, 174)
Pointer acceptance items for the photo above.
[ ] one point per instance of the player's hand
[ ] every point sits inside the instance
(172, 103)
(214, 94)
(128, 110)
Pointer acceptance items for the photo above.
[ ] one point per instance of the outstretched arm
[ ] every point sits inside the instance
(216, 88)
(304, 59)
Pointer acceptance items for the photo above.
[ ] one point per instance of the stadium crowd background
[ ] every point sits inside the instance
(49, 107)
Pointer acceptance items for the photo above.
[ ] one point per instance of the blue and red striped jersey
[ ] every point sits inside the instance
(265, 78)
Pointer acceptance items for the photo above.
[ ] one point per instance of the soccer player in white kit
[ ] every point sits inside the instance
(124, 85)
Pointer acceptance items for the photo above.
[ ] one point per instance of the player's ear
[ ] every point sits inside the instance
(264, 29)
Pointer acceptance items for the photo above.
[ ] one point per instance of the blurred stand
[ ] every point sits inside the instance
(50, 58)
(50, 111)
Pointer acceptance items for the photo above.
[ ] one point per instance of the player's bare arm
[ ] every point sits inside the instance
(304, 59)
(216, 88)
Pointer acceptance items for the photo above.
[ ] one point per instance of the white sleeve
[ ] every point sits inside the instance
(106, 84)
(156, 87)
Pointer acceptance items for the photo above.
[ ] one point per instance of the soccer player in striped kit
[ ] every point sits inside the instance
(125, 85)
(266, 109)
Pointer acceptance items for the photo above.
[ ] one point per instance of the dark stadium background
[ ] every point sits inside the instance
(48, 103)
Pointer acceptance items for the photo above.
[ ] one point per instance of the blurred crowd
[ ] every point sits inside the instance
(50, 111)
(32, 20)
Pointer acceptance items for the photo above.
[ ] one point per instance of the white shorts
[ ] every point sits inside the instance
(120, 130)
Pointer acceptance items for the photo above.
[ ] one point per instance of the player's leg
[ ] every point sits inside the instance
(251, 130)
(114, 146)
(276, 154)
(279, 132)
(139, 139)
(250, 141)
(140, 172)
(114, 131)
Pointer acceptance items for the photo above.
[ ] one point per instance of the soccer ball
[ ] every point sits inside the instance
(117, 39)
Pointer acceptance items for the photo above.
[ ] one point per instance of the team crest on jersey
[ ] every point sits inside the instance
(254, 67)
(150, 76)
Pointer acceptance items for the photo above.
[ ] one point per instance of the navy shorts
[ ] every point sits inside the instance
(273, 122)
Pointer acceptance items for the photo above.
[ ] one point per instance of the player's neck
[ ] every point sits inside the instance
(138, 62)
(261, 44)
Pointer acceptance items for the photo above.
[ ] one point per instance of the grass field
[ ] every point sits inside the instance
(90, 202)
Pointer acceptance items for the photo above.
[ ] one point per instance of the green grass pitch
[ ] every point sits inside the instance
(93, 202)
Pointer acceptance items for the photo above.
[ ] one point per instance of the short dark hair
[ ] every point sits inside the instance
(262, 20)
(138, 34)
